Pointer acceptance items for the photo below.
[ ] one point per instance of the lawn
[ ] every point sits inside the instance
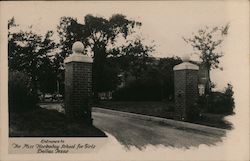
(159, 109)
(51, 123)
(163, 110)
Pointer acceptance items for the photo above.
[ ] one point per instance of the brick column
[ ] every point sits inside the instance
(186, 88)
(78, 85)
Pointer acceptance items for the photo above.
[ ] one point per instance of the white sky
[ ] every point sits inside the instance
(163, 22)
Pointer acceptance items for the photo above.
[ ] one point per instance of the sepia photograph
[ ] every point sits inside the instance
(164, 80)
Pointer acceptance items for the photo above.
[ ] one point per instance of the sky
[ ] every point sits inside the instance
(165, 22)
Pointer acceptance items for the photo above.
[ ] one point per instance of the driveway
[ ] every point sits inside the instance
(130, 131)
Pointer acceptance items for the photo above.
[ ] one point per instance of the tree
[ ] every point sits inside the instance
(20, 96)
(165, 68)
(134, 58)
(155, 83)
(11, 23)
(99, 36)
(69, 31)
(29, 52)
(207, 41)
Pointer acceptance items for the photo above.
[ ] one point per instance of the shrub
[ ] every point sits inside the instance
(138, 91)
(21, 97)
(194, 112)
(215, 103)
(220, 102)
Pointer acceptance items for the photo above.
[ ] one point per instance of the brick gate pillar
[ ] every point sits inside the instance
(186, 87)
(78, 84)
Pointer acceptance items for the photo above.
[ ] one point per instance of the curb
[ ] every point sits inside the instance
(174, 123)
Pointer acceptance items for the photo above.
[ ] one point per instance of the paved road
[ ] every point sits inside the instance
(140, 133)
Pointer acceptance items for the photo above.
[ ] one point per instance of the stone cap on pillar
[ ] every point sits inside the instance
(78, 58)
(77, 55)
(186, 65)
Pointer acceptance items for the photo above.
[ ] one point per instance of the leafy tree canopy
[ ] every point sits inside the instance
(29, 52)
(100, 36)
(206, 41)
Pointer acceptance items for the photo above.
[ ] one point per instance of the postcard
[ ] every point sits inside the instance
(124, 80)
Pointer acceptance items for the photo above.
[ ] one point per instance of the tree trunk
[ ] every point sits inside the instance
(208, 84)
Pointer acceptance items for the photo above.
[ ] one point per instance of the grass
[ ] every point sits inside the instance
(159, 109)
(214, 120)
(163, 110)
(50, 123)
